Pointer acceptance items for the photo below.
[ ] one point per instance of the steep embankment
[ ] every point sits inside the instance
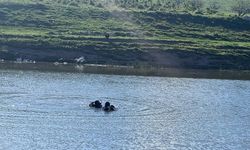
(52, 32)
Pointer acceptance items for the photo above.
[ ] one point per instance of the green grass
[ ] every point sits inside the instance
(50, 25)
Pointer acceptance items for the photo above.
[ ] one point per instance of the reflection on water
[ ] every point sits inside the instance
(42, 110)
(130, 70)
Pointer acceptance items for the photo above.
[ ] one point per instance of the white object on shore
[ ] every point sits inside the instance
(24, 61)
(19, 60)
(80, 59)
(56, 63)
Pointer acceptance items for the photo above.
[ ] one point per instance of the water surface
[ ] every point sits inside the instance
(43, 110)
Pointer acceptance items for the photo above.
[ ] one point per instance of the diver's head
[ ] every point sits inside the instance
(97, 102)
(107, 104)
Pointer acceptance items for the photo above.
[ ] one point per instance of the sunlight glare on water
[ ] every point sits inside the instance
(43, 110)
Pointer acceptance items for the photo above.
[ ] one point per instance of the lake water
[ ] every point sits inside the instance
(45, 110)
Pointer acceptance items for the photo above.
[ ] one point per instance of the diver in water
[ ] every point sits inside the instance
(96, 104)
(108, 107)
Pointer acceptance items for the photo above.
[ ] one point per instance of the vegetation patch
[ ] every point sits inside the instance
(192, 33)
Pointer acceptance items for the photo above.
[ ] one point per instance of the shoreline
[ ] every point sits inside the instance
(128, 70)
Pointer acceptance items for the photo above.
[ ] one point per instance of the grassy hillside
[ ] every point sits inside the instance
(52, 31)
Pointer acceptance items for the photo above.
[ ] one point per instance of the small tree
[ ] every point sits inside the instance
(213, 7)
(241, 7)
(194, 5)
(107, 35)
(176, 4)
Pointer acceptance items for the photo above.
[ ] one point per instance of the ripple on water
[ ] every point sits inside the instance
(50, 111)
